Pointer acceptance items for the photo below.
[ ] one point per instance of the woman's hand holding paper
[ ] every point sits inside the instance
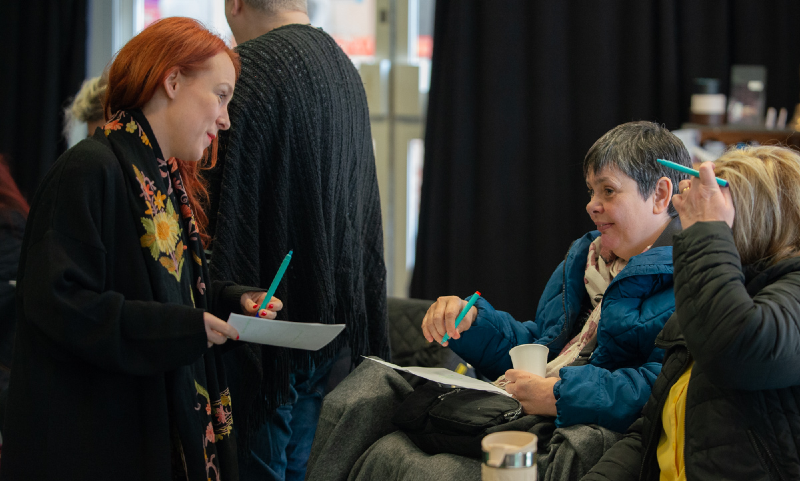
(217, 330)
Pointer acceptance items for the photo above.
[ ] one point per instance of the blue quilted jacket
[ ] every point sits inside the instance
(612, 389)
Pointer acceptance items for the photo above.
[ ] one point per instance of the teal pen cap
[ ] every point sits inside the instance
(688, 170)
(463, 313)
(277, 280)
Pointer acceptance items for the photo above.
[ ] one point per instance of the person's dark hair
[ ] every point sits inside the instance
(633, 148)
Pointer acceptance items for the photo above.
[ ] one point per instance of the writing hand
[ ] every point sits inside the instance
(251, 300)
(441, 319)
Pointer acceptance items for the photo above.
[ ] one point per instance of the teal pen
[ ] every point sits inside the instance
(464, 311)
(274, 286)
(688, 170)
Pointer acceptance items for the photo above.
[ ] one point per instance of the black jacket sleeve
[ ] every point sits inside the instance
(226, 298)
(742, 342)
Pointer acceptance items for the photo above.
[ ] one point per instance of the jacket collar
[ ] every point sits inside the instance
(657, 259)
(665, 239)
(762, 273)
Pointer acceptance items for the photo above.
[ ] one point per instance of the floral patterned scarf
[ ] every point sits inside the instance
(602, 266)
(198, 396)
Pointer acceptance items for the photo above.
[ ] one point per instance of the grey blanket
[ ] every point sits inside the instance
(354, 416)
(356, 440)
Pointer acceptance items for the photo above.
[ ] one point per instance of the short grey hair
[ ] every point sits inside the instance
(633, 149)
(272, 7)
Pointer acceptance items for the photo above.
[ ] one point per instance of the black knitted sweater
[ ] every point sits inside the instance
(296, 171)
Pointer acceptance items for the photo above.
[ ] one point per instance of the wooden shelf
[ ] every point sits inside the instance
(734, 134)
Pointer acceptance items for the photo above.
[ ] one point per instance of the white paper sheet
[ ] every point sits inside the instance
(297, 335)
(445, 376)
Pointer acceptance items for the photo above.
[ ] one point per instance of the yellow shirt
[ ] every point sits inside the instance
(670, 446)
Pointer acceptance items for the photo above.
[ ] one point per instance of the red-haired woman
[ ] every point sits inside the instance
(113, 376)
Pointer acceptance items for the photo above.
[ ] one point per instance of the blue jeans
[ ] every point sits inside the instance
(281, 447)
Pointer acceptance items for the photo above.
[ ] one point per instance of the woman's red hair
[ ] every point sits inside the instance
(139, 71)
(10, 196)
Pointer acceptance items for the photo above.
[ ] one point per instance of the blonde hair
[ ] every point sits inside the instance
(765, 187)
(87, 106)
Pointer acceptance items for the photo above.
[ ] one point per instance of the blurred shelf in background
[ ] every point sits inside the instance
(737, 134)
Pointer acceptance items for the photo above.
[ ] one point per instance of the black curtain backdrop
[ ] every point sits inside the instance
(44, 63)
(519, 92)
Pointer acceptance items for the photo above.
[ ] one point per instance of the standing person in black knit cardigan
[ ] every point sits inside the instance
(296, 171)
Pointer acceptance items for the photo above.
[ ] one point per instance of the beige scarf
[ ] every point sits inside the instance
(601, 268)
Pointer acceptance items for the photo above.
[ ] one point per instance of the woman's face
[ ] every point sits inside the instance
(199, 107)
(626, 221)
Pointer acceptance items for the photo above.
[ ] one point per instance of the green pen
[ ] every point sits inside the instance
(274, 286)
(464, 311)
(688, 170)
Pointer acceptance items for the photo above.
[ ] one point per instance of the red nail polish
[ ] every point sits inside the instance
(255, 306)
(263, 314)
(269, 306)
(237, 338)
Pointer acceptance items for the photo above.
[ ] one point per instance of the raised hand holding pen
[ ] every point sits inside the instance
(703, 200)
(219, 331)
(273, 287)
(441, 317)
(252, 300)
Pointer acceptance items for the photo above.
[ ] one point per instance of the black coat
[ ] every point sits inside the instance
(742, 328)
(12, 226)
(88, 397)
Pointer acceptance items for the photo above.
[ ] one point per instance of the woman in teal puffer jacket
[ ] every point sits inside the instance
(610, 387)
(604, 304)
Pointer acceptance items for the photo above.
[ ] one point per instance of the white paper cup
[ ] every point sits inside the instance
(531, 358)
